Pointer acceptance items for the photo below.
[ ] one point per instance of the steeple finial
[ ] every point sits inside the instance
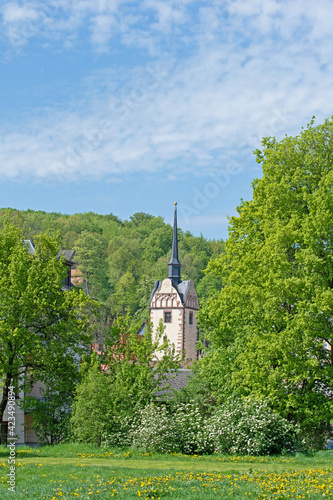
(174, 264)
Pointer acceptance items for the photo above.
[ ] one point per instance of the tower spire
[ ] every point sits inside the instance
(174, 264)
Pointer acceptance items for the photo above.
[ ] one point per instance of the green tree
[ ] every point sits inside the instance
(270, 326)
(92, 410)
(89, 255)
(125, 256)
(51, 411)
(69, 239)
(157, 244)
(133, 364)
(105, 401)
(108, 248)
(124, 300)
(40, 324)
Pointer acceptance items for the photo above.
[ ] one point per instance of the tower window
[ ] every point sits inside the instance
(167, 317)
(191, 318)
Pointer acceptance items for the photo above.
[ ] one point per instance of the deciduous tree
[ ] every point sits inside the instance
(270, 326)
(127, 376)
(40, 324)
(51, 411)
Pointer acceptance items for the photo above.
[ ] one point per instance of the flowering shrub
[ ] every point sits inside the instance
(155, 431)
(191, 428)
(251, 428)
(183, 431)
(120, 432)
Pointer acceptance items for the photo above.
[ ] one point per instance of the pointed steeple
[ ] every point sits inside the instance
(174, 264)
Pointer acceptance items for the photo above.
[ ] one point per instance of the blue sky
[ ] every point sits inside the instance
(125, 106)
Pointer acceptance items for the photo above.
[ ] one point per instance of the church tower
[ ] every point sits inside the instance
(175, 302)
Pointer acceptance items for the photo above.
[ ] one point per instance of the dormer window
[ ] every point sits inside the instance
(167, 317)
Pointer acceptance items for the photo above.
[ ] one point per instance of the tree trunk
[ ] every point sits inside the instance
(3, 406)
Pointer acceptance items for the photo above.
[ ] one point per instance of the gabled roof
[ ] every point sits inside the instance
(157, 284)
(68, 254)
(182, 289)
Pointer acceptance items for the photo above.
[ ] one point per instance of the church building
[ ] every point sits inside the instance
(175, 303)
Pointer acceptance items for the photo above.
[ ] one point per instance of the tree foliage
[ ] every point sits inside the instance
(234, 427)
(119, 261)
(89, 255)
(41, 326)
(92, 410)
(270, 326)
(123, 379)
(51, 410)
(137, 364)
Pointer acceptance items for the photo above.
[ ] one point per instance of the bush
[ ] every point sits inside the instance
(156, 430)
(92, 410)
(193, 435)
(251, 428)
(50, 417)
(120, 434)
(183, 430)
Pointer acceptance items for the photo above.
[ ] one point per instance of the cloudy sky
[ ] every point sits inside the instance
(126, 106)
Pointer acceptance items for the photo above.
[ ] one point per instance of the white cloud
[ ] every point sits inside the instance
(142, 22)
(103, 27)
(19, 22)
(168, 14)
(233, 72)
(13, 13)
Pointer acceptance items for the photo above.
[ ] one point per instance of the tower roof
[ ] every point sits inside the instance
(174, 264)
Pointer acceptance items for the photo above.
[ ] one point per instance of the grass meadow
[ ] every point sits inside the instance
(71, 471)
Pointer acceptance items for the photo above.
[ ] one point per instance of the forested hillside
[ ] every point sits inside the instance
(120, 260)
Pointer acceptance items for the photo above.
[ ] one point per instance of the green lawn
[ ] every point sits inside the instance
(82, 471)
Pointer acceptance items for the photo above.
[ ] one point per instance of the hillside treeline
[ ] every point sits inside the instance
(120, 260)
